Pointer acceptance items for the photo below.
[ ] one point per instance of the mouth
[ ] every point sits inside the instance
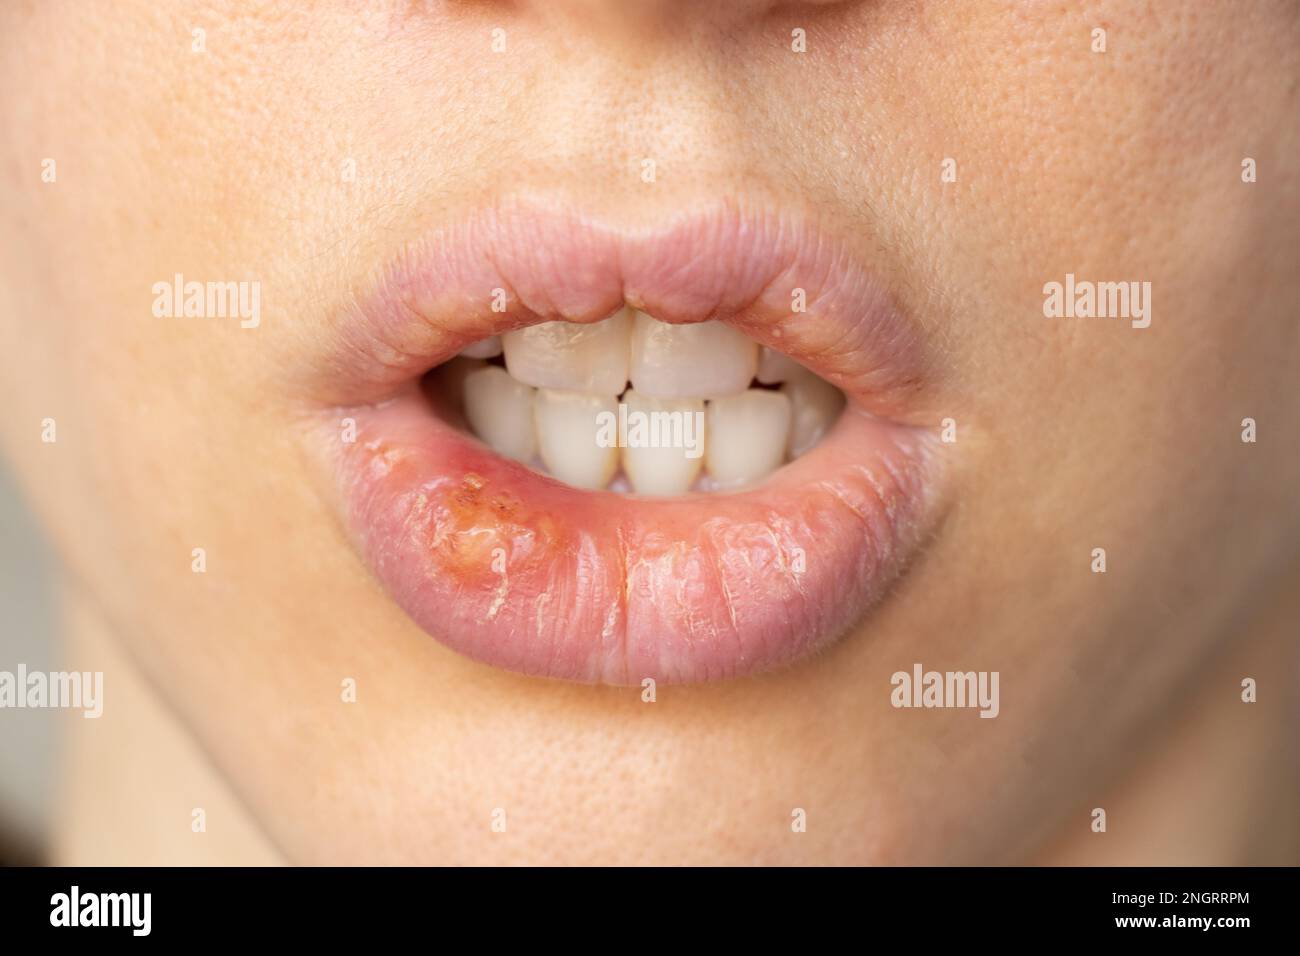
(690, 451)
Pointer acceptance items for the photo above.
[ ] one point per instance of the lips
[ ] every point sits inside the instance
(518, 570)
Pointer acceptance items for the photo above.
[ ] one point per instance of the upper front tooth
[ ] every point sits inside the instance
(671, 466)
(747, 436)
(816, 404)
(484, 349)
(569, 432)
(690, 361)
(566, 355)
(775, 367)
(499, 409)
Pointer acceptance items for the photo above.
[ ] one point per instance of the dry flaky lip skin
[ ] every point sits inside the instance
(523, 572)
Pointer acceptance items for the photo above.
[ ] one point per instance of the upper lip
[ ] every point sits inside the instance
(546, 260)
(520, 571)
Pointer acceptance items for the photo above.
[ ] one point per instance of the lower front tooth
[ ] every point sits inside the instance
(665, 444)
(816, 404)
(499, 410)
(747, 436)
(577, 436)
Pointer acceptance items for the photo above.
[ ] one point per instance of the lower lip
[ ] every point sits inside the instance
(522, 572)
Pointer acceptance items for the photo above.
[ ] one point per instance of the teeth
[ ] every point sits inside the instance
(775, 368)
(568, 424)
(665, 470)
(499, 409)
(557, 400)
(690, 361)
(566, 355)
(486, 349)
(816, 404)
(747, 436)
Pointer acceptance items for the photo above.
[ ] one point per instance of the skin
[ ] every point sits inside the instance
(1072, 434)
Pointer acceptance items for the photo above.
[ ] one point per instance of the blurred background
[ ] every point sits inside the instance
(28, 635)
